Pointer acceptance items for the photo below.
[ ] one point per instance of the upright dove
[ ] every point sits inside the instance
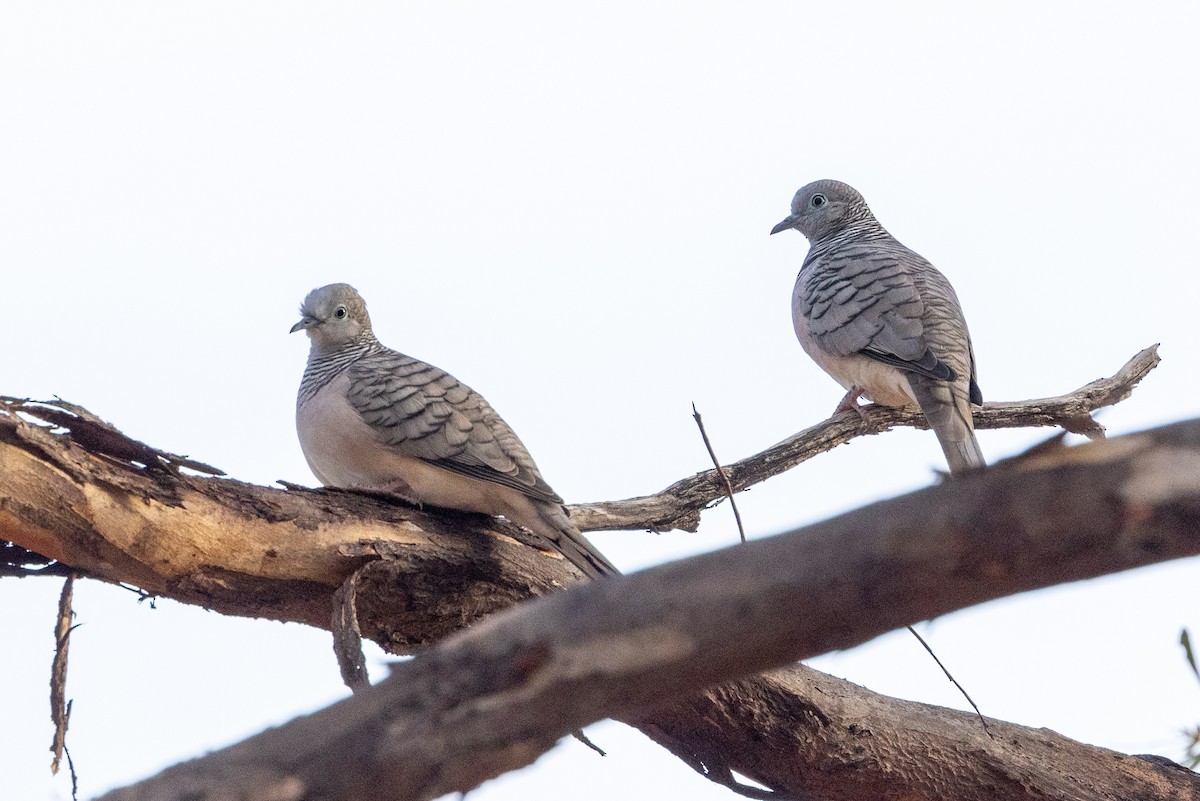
(371, 418)
(881, 320)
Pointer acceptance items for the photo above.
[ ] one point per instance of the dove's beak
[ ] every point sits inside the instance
(304, 324)
(784, 224)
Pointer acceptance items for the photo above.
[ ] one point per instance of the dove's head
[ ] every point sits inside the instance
(333, 316)
(823, 208)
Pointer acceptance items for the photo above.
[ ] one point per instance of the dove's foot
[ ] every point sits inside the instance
(850, 404)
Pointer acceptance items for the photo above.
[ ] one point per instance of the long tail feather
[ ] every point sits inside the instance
(948, 411)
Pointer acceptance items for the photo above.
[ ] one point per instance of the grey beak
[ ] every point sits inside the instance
(305, 323)
(784, 224)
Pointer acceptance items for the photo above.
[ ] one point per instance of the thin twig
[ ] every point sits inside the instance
(142, 595)
(953, 681)
(1185, 640)
(583, 738)
(720, 472)
(1191, 754)
(71, 767)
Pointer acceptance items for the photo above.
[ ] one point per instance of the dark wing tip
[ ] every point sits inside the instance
(975, 393)
(928, 365)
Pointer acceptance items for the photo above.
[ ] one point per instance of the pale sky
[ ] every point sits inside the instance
(567, 206)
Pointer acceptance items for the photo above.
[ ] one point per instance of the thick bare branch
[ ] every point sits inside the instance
(679, 505)
(256, 551)
(837, 750)
(494, 697)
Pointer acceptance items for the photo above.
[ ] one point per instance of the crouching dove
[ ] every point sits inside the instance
(881, 320)
(374, 419)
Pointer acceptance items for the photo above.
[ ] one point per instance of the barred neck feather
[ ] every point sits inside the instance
(864, 229)
(324, 367)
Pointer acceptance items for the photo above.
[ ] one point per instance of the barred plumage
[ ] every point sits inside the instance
(369, 417)
(324, 367)
(880, 319)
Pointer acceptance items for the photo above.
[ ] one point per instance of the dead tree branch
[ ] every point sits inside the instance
(679, 505)
(494, 697)
(134, 518)
(246, 550)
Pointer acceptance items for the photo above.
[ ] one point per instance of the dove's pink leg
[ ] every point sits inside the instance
(850, 404)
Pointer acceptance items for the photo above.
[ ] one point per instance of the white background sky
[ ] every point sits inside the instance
(567, 206)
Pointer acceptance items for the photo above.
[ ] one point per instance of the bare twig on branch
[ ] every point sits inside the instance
(712, 454)
(679, 505)
(494, 697)
(101, 437)
(953, 680)
(347, 636)
(726, 777)
(60, 707)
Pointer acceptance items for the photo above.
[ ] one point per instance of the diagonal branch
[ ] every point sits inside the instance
(640, 647)
(679, 505)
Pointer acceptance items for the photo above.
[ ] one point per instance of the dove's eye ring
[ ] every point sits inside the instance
(340, 312)
(818, 201)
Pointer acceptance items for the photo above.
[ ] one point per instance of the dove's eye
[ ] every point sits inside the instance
(818, 201)
(340, 312)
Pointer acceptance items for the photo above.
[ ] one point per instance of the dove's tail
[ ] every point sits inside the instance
(555, 525)
(947, 408)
